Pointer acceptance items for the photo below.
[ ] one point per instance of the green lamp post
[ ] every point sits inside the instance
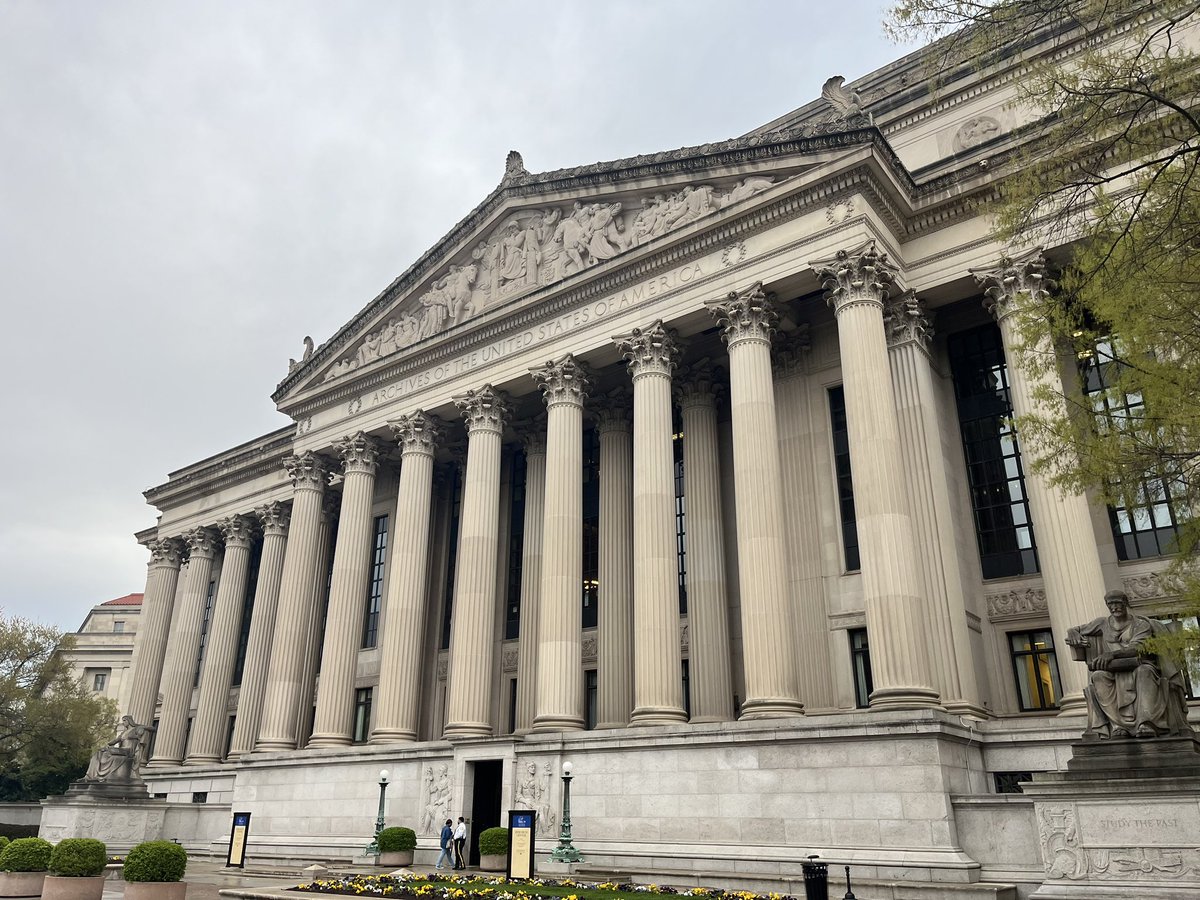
(565, 852)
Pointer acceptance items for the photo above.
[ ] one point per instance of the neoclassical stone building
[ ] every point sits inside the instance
(692, 468)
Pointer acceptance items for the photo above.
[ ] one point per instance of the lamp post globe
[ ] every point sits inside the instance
(565, 851)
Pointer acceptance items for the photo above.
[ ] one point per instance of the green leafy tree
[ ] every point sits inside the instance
(50, 723)
(1108, 169)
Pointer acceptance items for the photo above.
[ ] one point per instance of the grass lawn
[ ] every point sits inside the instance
(482, 887)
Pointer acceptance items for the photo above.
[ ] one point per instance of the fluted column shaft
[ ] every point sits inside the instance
(398, 705)
(274, 518)
(657, 663)
(531, 574)
(768, 628)
(897, 621)
(614, 652)
(909, 332)
(1066, 545)
(207, 743)
(709, 667)
(183, 646)
(150, 648)
(468, 705)
(315, 615)
(309, 474)
(560, 611)
(334, 724)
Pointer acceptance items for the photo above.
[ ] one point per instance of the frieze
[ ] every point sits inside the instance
(1016, 603)
(535, 248)
(1147, 586)
(510, 659)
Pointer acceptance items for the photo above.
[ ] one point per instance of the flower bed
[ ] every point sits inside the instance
(475, 887)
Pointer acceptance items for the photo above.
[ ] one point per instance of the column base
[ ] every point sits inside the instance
(202, 761)
(905, 698)
(1072, 705)
(771, 708)
(708, 720)
(272, 745)
(557, 723)
(967, 708)
(162, 762)
(657, 715)
(392, 736)
(604, 726)
(456, 730)
(328, 740)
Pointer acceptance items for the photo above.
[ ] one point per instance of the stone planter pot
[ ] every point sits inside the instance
(155, 890)
(396, 858)
(493, 862)
(21, 884)
(60, 887)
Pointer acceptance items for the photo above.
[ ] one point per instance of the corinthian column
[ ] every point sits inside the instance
(150, 649)
(709, 668)
(560, 614)
(208, 731)
(614, 688)
(468, 707)
(297, 591)
(334, 724)
(908, 333)
(315, 615)
(273, 518)
(183, 646)
(857, 284)
(1066, 544)
(407, 597)
(768, 631)
(531, 572)
(652, 354)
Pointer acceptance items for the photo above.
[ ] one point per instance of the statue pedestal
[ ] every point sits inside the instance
(1122, 821)
(118, 821)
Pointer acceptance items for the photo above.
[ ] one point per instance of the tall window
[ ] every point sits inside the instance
(370, 634)
(687, 689)
(860, 662)
(591, 528)
(229, 736)
(1036, 669)
(512, 705)
(239, 666)
(1150, 527)
(845, 482)
(516, 547)
(100, 681)
(208, 605)
(994, 471)
(448, 601)
(118, 626)
(362, 715)
(323, 617)
(680, 519)
(589, 698)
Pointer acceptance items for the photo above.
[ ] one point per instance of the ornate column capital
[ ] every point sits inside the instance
(532, 433)
(653, 350)
(201, 543)
(906, 320)
(417, 433)
(166, 552)
(862, 276)
(748, 315)
(1014, 281)
(238, 531)
(698, 385)
(563, 381)
(274, 517)
(308, 471)
(616, 413)
(485, 409)
(359, 453)
(791, 351)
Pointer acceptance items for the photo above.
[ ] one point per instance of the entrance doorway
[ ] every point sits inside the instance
(488, 778)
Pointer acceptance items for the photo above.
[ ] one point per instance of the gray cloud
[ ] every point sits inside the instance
(186, 189)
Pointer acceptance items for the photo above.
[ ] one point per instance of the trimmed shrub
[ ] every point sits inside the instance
(3, 843)
(397, 840)
(493, 842)
(156, 861)
(26, 855)
(78, 858)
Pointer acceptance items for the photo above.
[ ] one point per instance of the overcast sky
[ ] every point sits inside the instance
(187, 189)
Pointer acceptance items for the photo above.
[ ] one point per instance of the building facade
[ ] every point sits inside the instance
(692, 468)
(103, 647)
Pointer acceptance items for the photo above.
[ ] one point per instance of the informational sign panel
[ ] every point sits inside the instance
(237, 840)
(521, 830)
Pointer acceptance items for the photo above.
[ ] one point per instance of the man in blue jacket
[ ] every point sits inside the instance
(447, 846)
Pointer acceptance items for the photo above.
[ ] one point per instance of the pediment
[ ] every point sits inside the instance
(537, 232)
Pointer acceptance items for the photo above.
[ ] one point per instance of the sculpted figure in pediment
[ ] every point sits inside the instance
(746, 189)
(607, 236)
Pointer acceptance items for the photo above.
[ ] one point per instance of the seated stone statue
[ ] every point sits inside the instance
(120, 760)
(1132, 691)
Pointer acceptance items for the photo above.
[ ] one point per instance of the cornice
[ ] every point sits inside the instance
(243, 463)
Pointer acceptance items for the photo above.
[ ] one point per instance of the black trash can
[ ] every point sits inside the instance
(816, 879)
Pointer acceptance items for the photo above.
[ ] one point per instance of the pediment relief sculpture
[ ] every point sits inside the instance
(537, 247)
